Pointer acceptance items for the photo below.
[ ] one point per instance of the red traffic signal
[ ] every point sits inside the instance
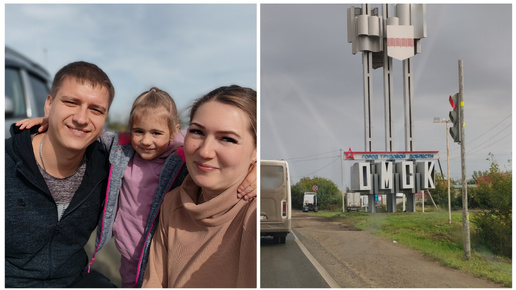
(452, 102)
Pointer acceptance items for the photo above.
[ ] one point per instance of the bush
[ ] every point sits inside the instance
(494, 224)
(493, 232)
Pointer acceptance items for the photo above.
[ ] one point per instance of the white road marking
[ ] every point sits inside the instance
(331, 282)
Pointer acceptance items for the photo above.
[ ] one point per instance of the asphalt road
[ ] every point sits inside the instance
(286, 266)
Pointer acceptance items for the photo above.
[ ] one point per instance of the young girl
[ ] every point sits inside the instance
(157, 166)
(141, 180)
(206, 236)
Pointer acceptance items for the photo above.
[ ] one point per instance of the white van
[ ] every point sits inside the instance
(275, 200)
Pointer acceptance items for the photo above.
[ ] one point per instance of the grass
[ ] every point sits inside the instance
(432, 235)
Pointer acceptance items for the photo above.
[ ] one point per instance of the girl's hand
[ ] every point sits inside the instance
(29, 123)
(247, 189)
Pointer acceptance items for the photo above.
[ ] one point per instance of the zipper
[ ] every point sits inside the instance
(103, 219)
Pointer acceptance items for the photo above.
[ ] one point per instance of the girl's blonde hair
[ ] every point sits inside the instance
(151, 100)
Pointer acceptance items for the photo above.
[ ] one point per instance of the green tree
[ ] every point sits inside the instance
(440, 192)
(494, 223)
(328, 194)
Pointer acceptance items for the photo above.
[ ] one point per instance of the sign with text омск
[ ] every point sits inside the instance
(392, 171)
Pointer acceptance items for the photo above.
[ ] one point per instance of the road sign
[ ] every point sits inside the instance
(315, 188)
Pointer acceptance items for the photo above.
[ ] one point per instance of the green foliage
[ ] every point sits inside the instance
(328, 194)
(440, 192)
(494, 224)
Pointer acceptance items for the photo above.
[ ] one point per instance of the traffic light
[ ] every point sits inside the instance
(456, 128)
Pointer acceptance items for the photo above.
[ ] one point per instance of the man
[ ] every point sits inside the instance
(55, 184)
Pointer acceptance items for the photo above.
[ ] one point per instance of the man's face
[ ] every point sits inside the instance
(76, 115)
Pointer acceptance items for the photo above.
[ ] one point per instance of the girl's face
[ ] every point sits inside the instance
(219, 147)
(150, 135)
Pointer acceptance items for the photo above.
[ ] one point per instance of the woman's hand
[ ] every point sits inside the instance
(247, 188)
(29, 123)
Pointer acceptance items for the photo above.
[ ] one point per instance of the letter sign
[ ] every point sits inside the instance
(384, 170)
(427, 171)
(361, 176)
(407, 174)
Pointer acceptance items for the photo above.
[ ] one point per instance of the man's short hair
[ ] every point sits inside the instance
(83, 72)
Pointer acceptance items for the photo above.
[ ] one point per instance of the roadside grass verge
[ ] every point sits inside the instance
(432, 235)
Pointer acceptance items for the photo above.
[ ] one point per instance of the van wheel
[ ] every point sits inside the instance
(281, 240)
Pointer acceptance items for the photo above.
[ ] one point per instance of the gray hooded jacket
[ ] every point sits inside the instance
(172, 175)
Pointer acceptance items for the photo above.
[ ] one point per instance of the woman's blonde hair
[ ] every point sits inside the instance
(240, 97)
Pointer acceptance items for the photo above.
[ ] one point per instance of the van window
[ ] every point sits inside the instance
(14, 91)
(271, 177)
(41, 91)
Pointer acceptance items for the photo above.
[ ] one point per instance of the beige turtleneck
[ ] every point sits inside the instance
(212, 244)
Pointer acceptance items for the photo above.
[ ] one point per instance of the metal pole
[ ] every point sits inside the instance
(342, 180)
(408, 94)
(387, 83)
(422, 201)
(448, 171)
(465, 214)
(367, 62)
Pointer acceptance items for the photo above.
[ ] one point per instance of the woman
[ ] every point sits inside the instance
(207, 236)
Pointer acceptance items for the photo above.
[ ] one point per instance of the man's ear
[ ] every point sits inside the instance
(48, 104)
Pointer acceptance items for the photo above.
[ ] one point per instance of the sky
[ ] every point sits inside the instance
(312, 99)
(184, 49)
(309, 83)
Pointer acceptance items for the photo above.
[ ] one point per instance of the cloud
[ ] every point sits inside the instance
(312, 86)
(185, 49)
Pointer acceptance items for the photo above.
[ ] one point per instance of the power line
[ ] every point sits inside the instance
(490, 144)
(487, 131)
(492, 128)
(494, 135)
(319, 168)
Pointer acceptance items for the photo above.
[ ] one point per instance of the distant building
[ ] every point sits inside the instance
(488, 179)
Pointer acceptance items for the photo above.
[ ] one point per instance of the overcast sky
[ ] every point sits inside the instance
(311, 96)
(312, 100)
(184, 49)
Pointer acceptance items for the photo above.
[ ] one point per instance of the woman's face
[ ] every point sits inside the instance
(219, 146)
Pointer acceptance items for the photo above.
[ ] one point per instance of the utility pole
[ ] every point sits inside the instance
(448, 171)
(342, 180)
(465, 213)
(444, 120)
